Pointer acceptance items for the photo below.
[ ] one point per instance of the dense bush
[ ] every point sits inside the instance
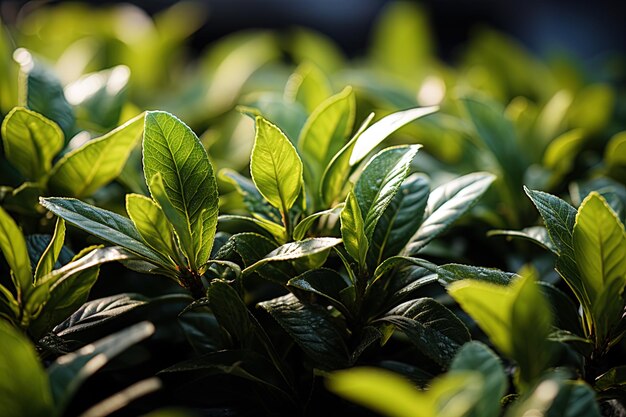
(392, 234)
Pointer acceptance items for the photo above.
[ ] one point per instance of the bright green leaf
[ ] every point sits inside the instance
(30, 142)
(151, 224)
(13, 247)
(81, 172)
(599, 243)
(353, 230)
(324, 134)
(275, 166)
(171, 149)
(51, 253)
(377, 132)
(24, 389)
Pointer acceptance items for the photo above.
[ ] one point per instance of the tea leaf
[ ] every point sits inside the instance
(353, 230)
(27, 391)
(446, 204)
(309, 86)
(30, 142)
(379, 131)
(296, 250)
(275, 166)
(324, 134)
(311, 328)
(171, 149)
(51, 253)
(13, 247)
(81, 172)
(380, 180)
(104, 224)
(152, 225)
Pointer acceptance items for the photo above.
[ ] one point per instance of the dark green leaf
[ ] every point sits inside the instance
(98, 311)
(324, 283)
(379, 182)
(431, 327)
(535, 234)
(312, 329)
(296, 250)
(70, 371)
(455, 272)
(301, 229)
(400, 220)
(252, 198)
(446, 204)
(230, 311)
(475, 356)
(613, 378)
(104, 224)
(44, 93)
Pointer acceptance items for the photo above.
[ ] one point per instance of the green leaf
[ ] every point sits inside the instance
(536, 234)
(104, 224)
(431, 327)
(70, 371)
(562, 152)
(252, 224)
(27, 391)
(312, 329)
(400, 220)
(376, 133)
(83, 171)
(324, 134)
(353, 230)
(295, 250)
(69, 288)
(324, 283)
(152, 225)
(289, 117)
(309, 86)
(253, 200)
(230, 311)
(171, 149)
(13, 247)
(44, 92)
(252, 247)
(336, 173)
(454, 272)
(446, 204)
(451, 395)
(305, 224)
(50, 255)
(599, 243)
(275, 166)
(516, 318)
(613, 378)
(475, 356)
(498, 134)
(559, 217)
(30, 142)
(531, 323)
(379, 182)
